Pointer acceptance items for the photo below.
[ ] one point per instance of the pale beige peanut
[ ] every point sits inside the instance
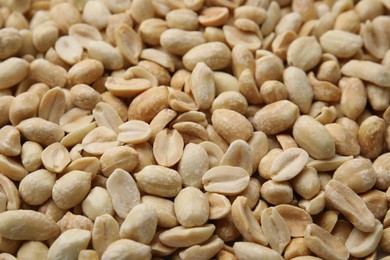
(24, 106)
(65, 21)
(329, 71)
(141, 10)
(376, 202)
(161, 120)
(251, 192)
(182, 19)
(297, 249)
(307, 183)
(181, 101)
(226, 229)
(222, 121)
(10, 141)
(71, 189)
(375, 38)
(96, 14)
(381, 166)
(46, 72)
(36, 187)
(227, 180)
(358, 174)
(105, 231)
(151, 29)
(345, 200)
(249, 250)
(372, 72)
(158, 180)
(255, 13)
(329, 164)
(288, 164)
(162, 74)
(215, 55)
(384, 243)
(191, 132)
(185, 237)
(140, 224)
(127, 87)
(73, 221)
(14, 71)
(323, 90)
(230, 100)
(55, 157)
(378, 97)
(322, 243)
(202, 85)
(84, 33)
(11, 200)
(191, 214)
(69, 244)
(371, 136)
(298, 88)
(168, 147)
(32, 250)
(99, 140)
(286, 141)
(44, 35)
(315, 205)
(353, 98)
(193, 155)
(220, 205)
(12, 168)
(85, 71)
(166, 216)
(141, 107)
(341, 43)
(171, 41)
(69, 49)
(138, 72)
(105, 115)
(76, 136)
(235, 36)
(214, 16)
(268, 67)
(313, 137)
(275, 229)
(5, 103)
(123, 191)
(248, 87)
(277, 192)
(75, 119)
(158, 57)
(158, 248)
(88, 254)
(53, 105)
(11, 42)
(129, 43)
(265, 164)
(84, 96)
(122, 157)
(296, 219)
(27, 225)
(97, 203)
(259, 146)
(106, 54)
(205, 250)
(239, 154)
(346, 142)
(115, 103)
(327, 219)
(305, 60)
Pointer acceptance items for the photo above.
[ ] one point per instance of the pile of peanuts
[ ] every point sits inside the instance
(194, 129)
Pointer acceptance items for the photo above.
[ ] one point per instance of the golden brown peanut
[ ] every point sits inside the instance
(249, 250)
(223, 119)
(5, 103)
(313, 137)
(105, 231)
(298, 88)
(296, 219)
(37, 186)
(123, 191)
(193, 155)
(384, 243)
(296, 249)
(322, 243)
(341, 230)
(159, 180)
(358, 174)
(227, 180)
(277, 192)
(345, 200)
(171, 141)
(191, 214)
(215, 55)
(323, 90)
(327, 219)
(371, 135)
(27, 225)
(140, 224)
(185, 237)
